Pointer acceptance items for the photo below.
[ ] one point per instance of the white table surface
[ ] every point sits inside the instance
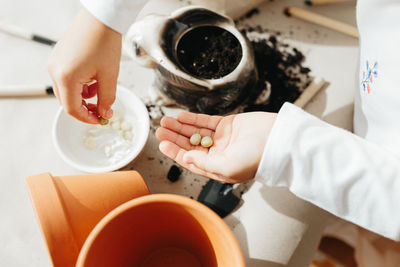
(26, 146)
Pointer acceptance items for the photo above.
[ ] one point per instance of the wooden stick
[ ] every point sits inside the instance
(322, 21)
(324, 2)
(24, 34)
(315, 86)
(25, 90)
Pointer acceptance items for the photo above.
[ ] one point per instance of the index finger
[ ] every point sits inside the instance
(184, 129)
(199, 120)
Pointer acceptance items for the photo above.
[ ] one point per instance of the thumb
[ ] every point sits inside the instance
(204, 161)
(106, 94)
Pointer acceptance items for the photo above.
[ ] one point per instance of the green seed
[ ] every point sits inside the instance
(206, 141)
(103, 121)
(195, 139)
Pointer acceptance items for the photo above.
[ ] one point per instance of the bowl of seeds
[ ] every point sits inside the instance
(108, 146)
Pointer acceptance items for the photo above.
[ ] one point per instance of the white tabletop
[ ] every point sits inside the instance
(26, 146)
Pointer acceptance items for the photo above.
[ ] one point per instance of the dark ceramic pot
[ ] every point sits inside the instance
(153, 42)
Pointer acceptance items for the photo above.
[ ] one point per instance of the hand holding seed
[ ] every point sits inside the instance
(227, 149)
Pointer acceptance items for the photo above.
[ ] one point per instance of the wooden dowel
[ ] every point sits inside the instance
(22, 33)
(315, 86)
(322, 21)
(324, 2)
(25, 90)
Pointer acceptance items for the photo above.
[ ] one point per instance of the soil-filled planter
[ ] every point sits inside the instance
(201, 59)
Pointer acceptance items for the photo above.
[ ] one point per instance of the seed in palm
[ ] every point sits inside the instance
(195, 139)
(206, 141)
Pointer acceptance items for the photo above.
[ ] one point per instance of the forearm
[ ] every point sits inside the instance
(333, 169)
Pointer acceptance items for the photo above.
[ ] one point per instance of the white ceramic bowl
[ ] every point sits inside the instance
(69, 136)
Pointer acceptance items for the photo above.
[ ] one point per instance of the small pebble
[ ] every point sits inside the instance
(174, 173)
(195, 139)
(206, 141)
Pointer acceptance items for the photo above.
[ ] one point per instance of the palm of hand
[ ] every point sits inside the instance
(239, 141)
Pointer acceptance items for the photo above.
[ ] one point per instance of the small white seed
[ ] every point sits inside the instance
(195, 139)
(90, 143)
(103, 121)
(116, 125)
(107, 151)
(125, 126)
(206, 141)
(94, 131)
(127, 135)
(116, 117)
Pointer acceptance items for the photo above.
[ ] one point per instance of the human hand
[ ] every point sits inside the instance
(239, 142)
(88, 51)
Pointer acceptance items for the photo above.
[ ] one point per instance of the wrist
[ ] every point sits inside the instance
(278, 146)
(266, 125)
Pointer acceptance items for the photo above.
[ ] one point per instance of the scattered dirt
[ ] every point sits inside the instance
(251, 13)
(280, 69)
(174, 173)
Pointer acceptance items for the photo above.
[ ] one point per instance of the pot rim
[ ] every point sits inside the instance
(162, 198)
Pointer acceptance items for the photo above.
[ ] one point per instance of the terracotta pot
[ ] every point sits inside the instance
(161, 230)
(110, 220)
(69, 207)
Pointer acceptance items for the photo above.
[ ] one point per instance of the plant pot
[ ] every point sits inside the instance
(69, 207)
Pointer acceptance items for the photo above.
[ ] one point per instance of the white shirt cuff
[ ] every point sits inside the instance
(116, 14)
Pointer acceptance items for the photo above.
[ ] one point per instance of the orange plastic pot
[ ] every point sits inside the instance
(161, 230)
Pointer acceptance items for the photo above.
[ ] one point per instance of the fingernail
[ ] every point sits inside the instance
(109, 113)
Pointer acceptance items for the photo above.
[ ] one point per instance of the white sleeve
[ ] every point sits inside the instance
(116, 14)
(333, 169)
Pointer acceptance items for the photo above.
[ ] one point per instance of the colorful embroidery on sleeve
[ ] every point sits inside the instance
(368, 75)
